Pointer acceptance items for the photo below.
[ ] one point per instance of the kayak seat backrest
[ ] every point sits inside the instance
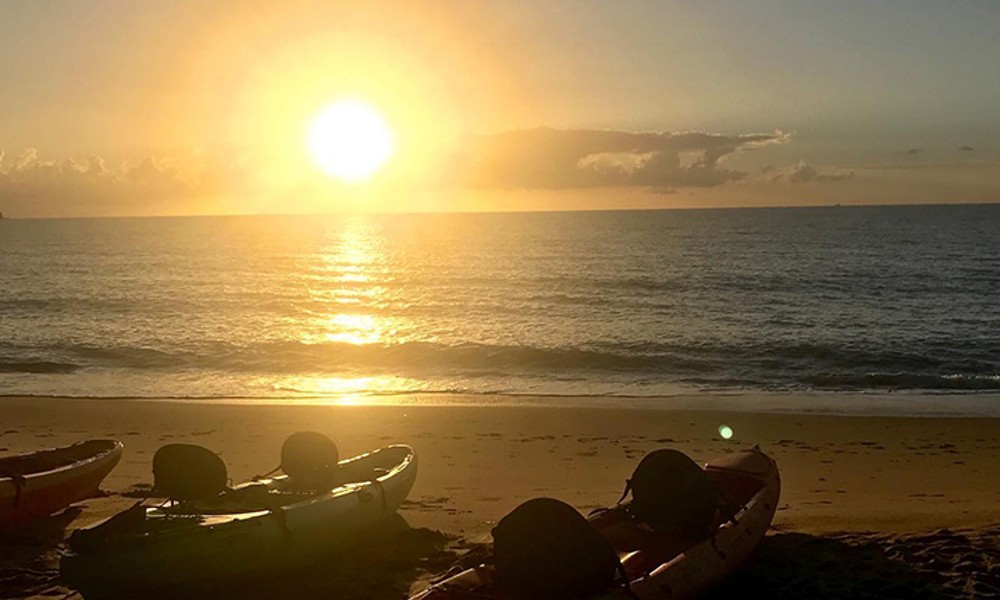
(310, 460)
(545, 549)
(674, 496)
(188, 472)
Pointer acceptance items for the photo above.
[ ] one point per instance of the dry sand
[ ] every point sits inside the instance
(879, 507)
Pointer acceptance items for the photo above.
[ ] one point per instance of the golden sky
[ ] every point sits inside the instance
(183, 107)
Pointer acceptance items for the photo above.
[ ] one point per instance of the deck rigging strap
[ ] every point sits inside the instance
(625, 583)
(282, 519)
(376, 482)
(20, 482)
(265, 475)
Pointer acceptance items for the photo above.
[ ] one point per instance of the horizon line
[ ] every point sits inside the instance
(503, 212)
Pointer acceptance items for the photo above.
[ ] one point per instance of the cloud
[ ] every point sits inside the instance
(805, 173)
(30, 184)
(966, 149)
(29, 177)
(559, 159)
(913, 151)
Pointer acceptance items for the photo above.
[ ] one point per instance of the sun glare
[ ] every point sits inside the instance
(350, 141)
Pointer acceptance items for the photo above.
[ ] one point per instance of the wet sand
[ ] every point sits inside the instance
(864, 500)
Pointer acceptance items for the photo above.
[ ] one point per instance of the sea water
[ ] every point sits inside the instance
(570, 304)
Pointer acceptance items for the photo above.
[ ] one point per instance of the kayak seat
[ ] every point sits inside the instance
(187, 472)
(545, 550)
(310, 460)
(673, 495)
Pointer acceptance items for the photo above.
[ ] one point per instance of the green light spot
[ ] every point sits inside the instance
(726, 432)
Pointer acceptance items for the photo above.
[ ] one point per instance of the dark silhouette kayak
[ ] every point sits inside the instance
(656, 568)
(252, 530)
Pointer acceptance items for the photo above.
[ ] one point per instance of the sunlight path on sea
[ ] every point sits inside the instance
(351, 278)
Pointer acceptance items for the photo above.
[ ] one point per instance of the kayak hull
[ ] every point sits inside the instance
(212, 549)
(38, 484)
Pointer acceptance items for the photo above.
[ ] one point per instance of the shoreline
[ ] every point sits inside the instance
(845, 404)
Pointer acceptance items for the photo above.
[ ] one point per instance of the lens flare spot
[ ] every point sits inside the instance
(726, 432)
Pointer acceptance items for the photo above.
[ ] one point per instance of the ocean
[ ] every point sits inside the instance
(630, 304)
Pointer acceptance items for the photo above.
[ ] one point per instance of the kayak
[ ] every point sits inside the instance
(750, 484)
(249, 531)
(38, 484)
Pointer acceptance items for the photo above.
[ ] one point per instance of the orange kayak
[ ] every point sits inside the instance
(751, 485)
(37, 484)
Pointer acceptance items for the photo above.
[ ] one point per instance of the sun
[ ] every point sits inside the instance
(350, 141)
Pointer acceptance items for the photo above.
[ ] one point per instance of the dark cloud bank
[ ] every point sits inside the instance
(559, 159)
(31, 185)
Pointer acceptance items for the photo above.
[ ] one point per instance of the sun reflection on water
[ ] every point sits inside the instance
(351, 272)
(356, 329)
(351, 301)
(349, 390)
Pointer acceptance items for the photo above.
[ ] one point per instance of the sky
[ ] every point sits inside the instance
(128, 107)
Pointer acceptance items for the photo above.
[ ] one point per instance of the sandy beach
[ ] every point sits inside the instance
(910, 502)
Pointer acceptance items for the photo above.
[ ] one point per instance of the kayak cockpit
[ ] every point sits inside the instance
(375, 465)
(741, 476)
